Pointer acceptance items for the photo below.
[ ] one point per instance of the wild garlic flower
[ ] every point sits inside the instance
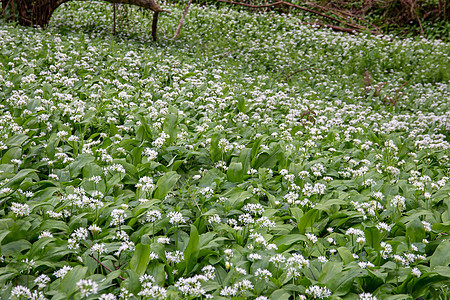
(62, 272)
(318, 292)
(175, 217)
(21, 210)
(153, 216)
(87, 287)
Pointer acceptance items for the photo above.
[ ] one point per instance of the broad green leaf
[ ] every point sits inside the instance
(170, 126)
(441, 256)
(78, 164)
(69, 282)
(288, 240)
(18, 178)
(235, 172)
(415, 231)
(341, 283)
(373, 237)
(307, 220)
(345, 254)
(297, 213)
(192, 249)
(140, 259)
(15, 248)
(280, 295)
(165, 184)
(329, 270)
(17, 140)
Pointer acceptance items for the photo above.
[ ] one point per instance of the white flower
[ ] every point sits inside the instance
(42, 281)
(416, 272)
(175, 217)
(263, 274)
(153, 216)
(62, 272)
(163, 240)
(99, 248)
(45, 233)
(322, 259)
(87, 287)
(20, 209)
(107, 297)
(151, 154)
(18, 292)
(367, 296)
(95, 229)
(117, 217)
(318, 292)
(146, 184)
(175, 257)
(398, 202)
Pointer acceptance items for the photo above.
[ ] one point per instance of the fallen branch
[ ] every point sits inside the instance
(106, 268)
(346, 22)
(181, 20)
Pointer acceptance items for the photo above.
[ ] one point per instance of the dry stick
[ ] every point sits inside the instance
(100, 263)
(421, 28)
(181, 20)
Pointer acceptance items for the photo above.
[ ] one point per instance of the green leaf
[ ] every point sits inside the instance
(443, 271)
(15, 248)
(329, 270)
(297, 213)
(235, 172)
(78, 164)
(268, 160)
(140, 259)
(307, 220)
(441, 256)
(373, 237)
(18, 178)
(170, 126)
(341, 283)
(415, 231)
(280, 295)
(165, 184)
(12, 153)
(69, 282)
(16, 140)
(290, 239)
(192, 249)
(345, 254)
(133, 283)
(244, 159)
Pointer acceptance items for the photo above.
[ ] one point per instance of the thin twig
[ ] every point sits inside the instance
(6, 6)
(182, 19)
(100, 263)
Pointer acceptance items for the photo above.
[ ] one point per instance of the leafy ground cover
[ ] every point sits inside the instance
(252, 158)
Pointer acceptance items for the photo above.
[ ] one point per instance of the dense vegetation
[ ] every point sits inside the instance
(252, 158)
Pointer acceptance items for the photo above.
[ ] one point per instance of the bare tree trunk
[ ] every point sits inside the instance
(114, 19)
(155, 25)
